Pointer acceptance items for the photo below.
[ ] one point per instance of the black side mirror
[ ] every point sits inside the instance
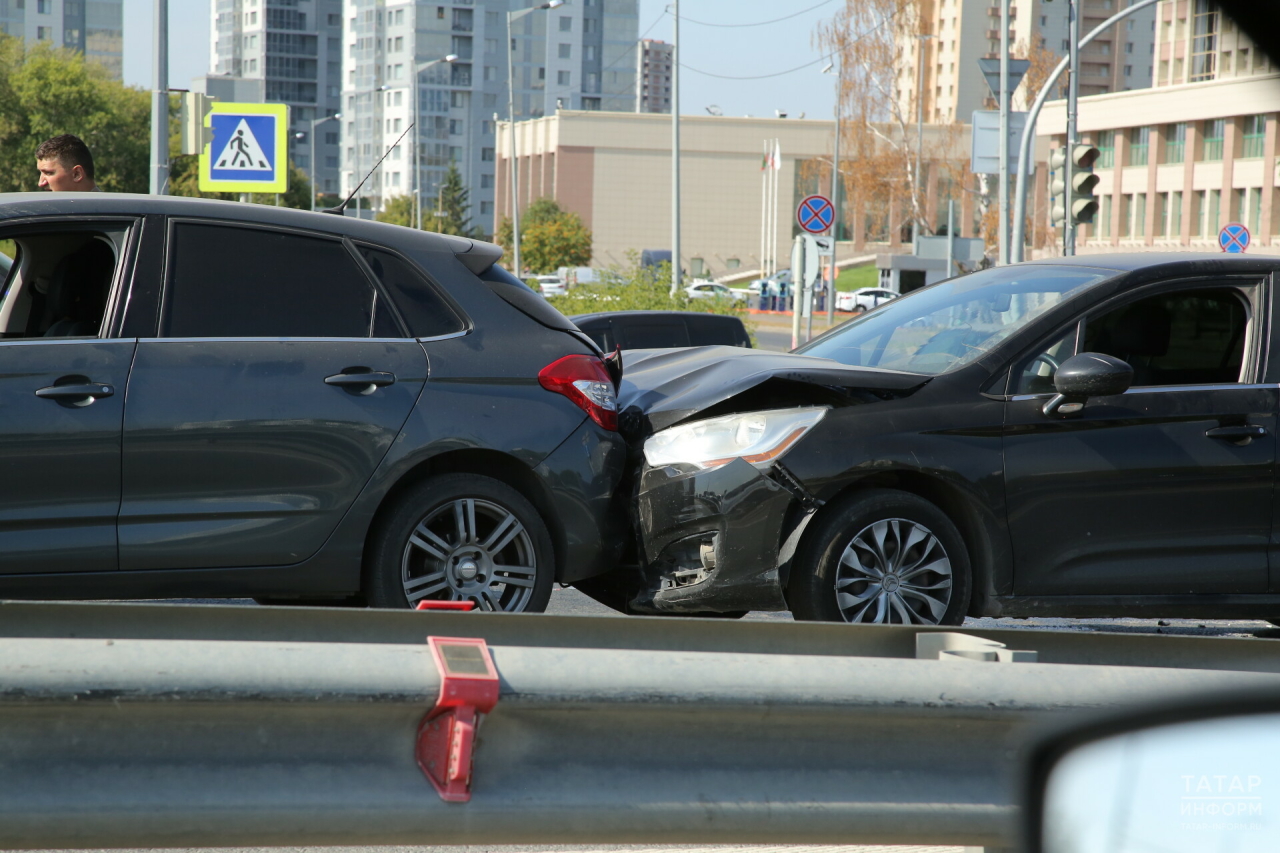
(1089, 374)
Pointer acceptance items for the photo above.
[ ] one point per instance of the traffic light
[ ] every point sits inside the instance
(1083, 203)
(192, 112)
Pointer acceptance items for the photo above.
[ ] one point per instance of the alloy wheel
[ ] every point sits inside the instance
(894, 571)
(470, 550)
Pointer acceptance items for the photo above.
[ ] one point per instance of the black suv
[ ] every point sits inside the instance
(213, 399)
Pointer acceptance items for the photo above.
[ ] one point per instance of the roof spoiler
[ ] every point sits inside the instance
(474, 254)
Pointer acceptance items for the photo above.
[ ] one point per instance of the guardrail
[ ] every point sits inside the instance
(258, 741)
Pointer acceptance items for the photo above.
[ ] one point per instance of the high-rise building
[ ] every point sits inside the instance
(653, 77)
(294, 47)
(579, 56)
(92, 27)
(964, 31)
(1195, 42)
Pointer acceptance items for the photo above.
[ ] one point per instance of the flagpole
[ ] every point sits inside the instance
(764, 206)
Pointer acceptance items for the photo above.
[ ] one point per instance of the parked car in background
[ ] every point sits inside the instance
(551, 285)
(579, 275)
(661, 329)
(1091, 436)
(703, 289)
(319, 408)
(865, 299)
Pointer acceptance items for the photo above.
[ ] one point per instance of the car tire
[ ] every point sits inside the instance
(461, 537)
(931, 575)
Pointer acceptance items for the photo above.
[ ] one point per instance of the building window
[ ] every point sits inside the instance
(1204, 40)
(566, 24)
(1175, 215)
(562, 78)
(490, 73)
(1214, 132)
(589, 52)
(1254, 220)
(1106, 146)
(486, 207)
(1162, 215)
(1138, 140)
(1128, 71)
(456, 127)
(1138, 207)
(566, 51)
(486, 155)
(399, 17)
(1255, 135)
(486, 182)
(1175, 142)
(44, 7)
(1104, 218)
(490, 45)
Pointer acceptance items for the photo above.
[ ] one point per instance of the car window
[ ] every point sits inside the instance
(58, 282)
(652, 335)
(428, 314)
(236, 282)
(953, 323)
(1189, 337)
(1035, 375)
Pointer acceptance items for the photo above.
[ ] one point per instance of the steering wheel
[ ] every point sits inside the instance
(1052, 362)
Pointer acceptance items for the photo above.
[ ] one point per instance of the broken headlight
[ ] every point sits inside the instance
(756, 437)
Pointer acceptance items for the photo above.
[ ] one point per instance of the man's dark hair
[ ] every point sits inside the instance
(69, 150)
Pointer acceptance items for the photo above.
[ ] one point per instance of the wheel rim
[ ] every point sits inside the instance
(894, 571)
(470, 550)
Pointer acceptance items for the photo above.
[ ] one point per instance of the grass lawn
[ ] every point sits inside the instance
(856, 278)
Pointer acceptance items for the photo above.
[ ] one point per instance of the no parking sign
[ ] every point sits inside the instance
(1233, 238)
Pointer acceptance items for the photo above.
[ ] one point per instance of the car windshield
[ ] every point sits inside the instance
(950, 324)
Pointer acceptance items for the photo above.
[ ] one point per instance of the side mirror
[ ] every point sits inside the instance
(1089, 374)
(1181, 777)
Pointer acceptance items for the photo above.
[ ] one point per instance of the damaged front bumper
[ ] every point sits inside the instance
(717, 541)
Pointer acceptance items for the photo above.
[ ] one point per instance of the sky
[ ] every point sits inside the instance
(736, 51)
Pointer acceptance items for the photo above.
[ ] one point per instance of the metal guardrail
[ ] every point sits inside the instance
(254, 740)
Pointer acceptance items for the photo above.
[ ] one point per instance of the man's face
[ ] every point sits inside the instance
(59, 179)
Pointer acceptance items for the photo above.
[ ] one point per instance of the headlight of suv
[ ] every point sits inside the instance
(756, 437)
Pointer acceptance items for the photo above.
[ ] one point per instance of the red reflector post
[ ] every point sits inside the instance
(446, 736)
(432, 604)
(585, 381)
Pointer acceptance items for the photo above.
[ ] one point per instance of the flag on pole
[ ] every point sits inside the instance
(777, 156)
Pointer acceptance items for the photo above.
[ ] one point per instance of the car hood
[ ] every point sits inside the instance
(661, 387)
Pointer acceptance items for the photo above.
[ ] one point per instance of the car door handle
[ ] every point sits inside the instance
(364, 382)
(80, 394)
(1240, 434)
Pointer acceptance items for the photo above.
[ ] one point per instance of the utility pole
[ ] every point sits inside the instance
(1073, 92)
(915, 174)
(835, 202)
(1003, 209)
(675, 147)
(160, 103)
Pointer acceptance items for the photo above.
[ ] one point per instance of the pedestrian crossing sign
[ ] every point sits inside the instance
(250, 149)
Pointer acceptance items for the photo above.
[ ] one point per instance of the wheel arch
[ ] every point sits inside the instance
(487, 463)
(956, 504)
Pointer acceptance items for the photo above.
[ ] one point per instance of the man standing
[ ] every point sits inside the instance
(65, 165)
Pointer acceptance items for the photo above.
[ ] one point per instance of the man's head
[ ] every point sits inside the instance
(65, 164)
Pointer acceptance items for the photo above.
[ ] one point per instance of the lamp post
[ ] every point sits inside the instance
(512, 17)
(675, 148)
(835, 190)
(314, 123)
(915, 176)
(417, 166)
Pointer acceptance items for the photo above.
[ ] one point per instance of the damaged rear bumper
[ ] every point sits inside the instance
(715, 541)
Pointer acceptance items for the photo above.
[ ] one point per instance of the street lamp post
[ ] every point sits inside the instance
(675, 148)
(512, 17)
(314, 123)
(160, 102)
(417, 165)
(835, 190)
(915, 177)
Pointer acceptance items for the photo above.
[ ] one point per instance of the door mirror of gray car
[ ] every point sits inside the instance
(1177, 778)
(1089, 374)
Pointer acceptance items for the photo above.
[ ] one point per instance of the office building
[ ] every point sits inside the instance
(653, 77)
(92, 27)
(579, 56)
(614, 171)
(1195, 43)
(964, 31)
(294, 47)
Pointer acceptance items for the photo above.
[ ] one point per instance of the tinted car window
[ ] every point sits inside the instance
(521, 297)
(425, 310)
(652, 335)
(247, 282)
(1190, 337)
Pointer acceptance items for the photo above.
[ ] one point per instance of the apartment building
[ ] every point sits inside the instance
(95, 28)
(579, 56)
(960, 32)
(1185, 157)
(653, 76)
(294, 47)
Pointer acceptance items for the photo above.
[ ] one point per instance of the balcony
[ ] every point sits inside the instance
(994, 12)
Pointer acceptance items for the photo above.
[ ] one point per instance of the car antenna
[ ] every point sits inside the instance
(340, 209)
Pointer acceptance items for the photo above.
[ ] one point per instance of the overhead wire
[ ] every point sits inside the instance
(760, 23)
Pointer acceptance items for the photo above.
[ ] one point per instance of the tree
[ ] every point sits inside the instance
(46, 91)
(449, 213)
(184, 180)
(550, 237)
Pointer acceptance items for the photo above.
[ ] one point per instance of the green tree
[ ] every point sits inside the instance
(550, 237)
(45, 91)
(449, 211)
(184, 180)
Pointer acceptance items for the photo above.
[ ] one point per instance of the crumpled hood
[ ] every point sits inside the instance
(666, 386)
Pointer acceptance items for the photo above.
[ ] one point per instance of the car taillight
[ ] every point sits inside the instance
(584, 380)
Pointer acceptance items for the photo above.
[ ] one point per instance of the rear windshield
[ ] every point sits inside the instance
(522, 297)
(953, 323)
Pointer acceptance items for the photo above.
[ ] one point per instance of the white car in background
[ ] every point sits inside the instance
(711, 290)
(551, 285)
(865, 299)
